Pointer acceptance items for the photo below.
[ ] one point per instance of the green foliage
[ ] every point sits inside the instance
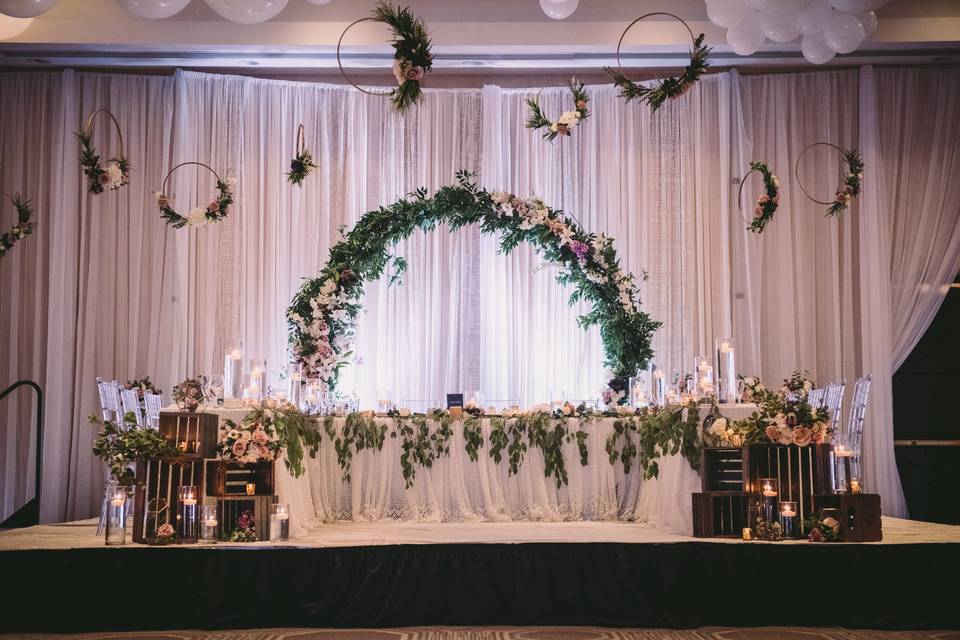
(300, 168)
(22, 229)
(768, 205)
(498, 438)
(473, 435)
(420, 446)
(360, 431)
(643, 438)
(90, 162)
(297, 432)
(214, 212)
(667, 88)
(411, 46)
(537, 119)
(851, 183)
(118, 446)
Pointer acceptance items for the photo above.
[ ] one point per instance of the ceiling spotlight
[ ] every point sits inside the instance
(559, 9)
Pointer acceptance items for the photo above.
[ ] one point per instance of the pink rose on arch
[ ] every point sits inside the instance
(163, 201)
(773, 433)
(764, 199)
(239, 448)
(802, 436)
(581, 105)
(214, 206)
(757, 212)
(104, 178)
(414, 73)
(260, 436)
(324, 349)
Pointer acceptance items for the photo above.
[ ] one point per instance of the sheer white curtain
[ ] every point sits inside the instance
(105, 288)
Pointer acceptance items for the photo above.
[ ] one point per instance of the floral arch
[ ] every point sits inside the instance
(323, 313)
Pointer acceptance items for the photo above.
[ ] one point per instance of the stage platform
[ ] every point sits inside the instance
(389, 574)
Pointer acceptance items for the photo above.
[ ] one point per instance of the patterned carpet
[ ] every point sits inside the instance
(508, 633)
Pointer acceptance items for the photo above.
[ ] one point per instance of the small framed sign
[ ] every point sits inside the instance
(454, 400)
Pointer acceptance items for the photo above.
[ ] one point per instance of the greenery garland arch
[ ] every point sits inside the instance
(323, 313)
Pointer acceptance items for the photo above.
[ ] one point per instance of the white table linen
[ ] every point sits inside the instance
(456, 489)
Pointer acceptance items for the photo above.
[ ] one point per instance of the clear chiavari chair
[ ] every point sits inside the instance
(109, 393)
(153, 402)
(815, 397)
(131, 404)
(833, 402)
(858, 409)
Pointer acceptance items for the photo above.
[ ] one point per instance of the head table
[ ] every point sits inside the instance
(457, 489)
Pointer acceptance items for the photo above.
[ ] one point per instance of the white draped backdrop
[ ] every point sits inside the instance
(105, 288)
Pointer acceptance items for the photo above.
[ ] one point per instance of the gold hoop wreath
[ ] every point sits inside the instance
(198, 216)
(852, 180)
(411, 54)
(22, 229)
(568, 121)
(768, 201)
(302, 161)
(667, 88)
(112, 174)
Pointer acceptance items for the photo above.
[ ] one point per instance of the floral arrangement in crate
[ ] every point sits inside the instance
(782, 417)
(245, 531)
(266, 431)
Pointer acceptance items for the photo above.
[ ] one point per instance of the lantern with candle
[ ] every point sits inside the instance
(187, 514)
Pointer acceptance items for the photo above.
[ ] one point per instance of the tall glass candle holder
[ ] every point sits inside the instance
(842, 462)
(280, 521)
(726, 372)
(658, 383)
(638, 385)
(769, 489)
(788, 519)
(703, 383)
(258, 379)
(116, 514)
(295, 385)
(208, 524)
(233, 373)
(187, 513)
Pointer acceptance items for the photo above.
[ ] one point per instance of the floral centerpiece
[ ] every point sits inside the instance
(249, 442)
(190, 393)
(268, 430)
(245, 530)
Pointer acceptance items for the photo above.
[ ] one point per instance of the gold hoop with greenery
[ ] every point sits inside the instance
(112, 174)
(302, 162)
(412, 58)
(567, 121)
(667, 88)
(22, 228)
(198, 216)
(768, 201)
(322, 315)
(852, 180)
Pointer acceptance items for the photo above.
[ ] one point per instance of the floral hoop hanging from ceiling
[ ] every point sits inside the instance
(412, 58)
(22, 228)
(112, 174)
(566, 123)
(302, 162)
(768, 201)
(852, 180)
(667, 88)
(198, 216)
(323, 313)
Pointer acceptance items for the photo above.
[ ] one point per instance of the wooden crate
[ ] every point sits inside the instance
(229, 509)
(859, 515)
(721, 469)
(230, 479)
(193, 433)
(802, 472)
(721, 514)
(155, 494)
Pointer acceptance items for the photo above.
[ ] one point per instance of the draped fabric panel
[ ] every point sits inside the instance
(105, 288)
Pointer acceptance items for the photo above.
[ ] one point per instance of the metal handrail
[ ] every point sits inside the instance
(39, 454)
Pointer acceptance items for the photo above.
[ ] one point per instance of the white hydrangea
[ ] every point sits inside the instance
(197, 217)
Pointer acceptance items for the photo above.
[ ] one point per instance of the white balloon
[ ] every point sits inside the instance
(780, 25)
(857, 6)
(559, 10)
(869, 22)
(154, 9)
(247, 11)
(815, 48)
(319, 1)
(815, 17)
(726, 13)
(773, 5)
(844, 33)
(746, 37)
(25, 8)
(12, 27)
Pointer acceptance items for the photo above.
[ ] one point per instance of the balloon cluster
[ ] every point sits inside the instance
(826, 27)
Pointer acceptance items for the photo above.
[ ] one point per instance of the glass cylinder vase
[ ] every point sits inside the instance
(233, 373)
(187, 512)
(280, 521)
(208, 524)
(842, 466)
(703, 383)
(726, 372)
(658, 383)
(258, 379)
(769, 489)
(116, 514)
(788, 519)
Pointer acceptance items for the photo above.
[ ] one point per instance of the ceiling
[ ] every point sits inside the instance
(469, 36)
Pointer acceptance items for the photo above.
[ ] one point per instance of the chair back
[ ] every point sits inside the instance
(858, 409)
(815, 398)
(833, 402)
(110, 401)
(153, 403)
(131, 404)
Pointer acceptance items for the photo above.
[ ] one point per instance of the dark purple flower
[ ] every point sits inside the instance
(580, 249)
